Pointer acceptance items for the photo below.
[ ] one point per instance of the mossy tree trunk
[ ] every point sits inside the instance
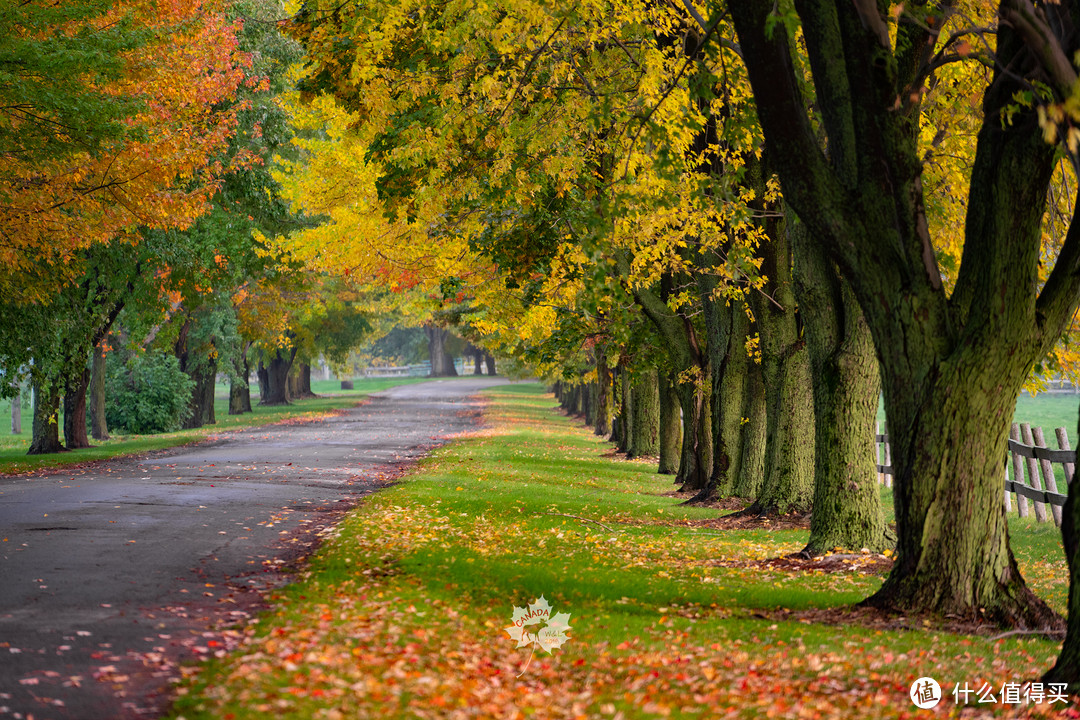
(99, 427)
(626, 410)
(588, 403)
(788, 485)
(847, 503)
(45, 432)
(645, 430)
(670, 426)
(239, 387)
(202, 394)
(752, 463)
(602, 427)
(951, 364)
(730, 401)
(75, 436)
(689, 355)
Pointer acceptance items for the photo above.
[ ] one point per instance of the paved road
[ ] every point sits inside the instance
(112, 574)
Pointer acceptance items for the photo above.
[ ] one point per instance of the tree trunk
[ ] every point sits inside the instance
(239, 387)
(695, 399)
(239, 397)
(276, 377)
(489, 361)
(617, 407)
(670, 427)
(752, 463)
(45, 434)
(603, 396)
(16, 414)
(300, 382)
(951, 364)
(847, 503)
(75, 411)
(99, 427)
(202, 394)
(478, 365)
(729, 402)
(645, 429)
(591, 396)
(785, 366)
(442, 365)
(626, 411)
(305, 381)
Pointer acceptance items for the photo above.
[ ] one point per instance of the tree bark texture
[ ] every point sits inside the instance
(695, 399)
(45, 433)
(752, 463)
(592, 397)
(719, 316)
(645, 430)
(604, 395)
(670, 427)
(626, 410)
(730, 402)
(489, 363)
(847, 505)
(99, 427)
(75, 436)
(785, 365)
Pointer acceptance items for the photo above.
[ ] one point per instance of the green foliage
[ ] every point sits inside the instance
(147, 394)
(52, 89)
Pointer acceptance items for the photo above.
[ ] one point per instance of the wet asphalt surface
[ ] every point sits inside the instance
(114, 575)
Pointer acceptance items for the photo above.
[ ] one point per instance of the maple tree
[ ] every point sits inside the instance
(154, 87)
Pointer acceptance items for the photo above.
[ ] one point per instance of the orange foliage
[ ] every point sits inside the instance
(163, 173)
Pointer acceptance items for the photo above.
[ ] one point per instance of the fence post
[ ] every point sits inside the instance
(1008, 497)
(1033, 472)
(888, 455)
(877, 452)
(1049, 481)
(1018, 473)
(1070, 468)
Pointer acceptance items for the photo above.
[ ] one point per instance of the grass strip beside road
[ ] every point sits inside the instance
(402, 611)
(13, 457)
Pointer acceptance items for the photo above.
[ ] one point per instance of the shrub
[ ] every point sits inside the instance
(147, 394)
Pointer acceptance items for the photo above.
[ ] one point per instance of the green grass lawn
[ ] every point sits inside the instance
(13, 457)
(402, 612)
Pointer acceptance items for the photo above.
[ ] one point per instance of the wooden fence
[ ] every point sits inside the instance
(1027, 450)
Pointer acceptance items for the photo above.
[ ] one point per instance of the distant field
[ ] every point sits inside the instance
(1045, 410)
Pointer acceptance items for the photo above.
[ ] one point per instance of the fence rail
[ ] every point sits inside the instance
(1027, 450)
